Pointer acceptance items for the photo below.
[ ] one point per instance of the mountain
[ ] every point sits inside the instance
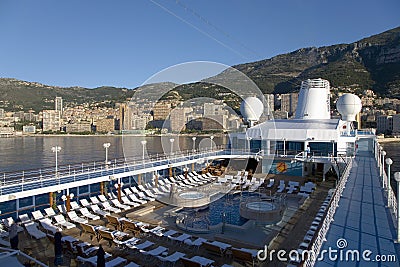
(370, 63)
(15, 94)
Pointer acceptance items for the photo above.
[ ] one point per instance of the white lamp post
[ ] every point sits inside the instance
(284, 146)
(397, 178)
(248, 142)
(106, 146)
(389, 162)
(211, 143)
(172, 144)
(144, 142)
(56, 149)
(194, 143)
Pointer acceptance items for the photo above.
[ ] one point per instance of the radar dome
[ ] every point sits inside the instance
(251, 108)
(349, 106)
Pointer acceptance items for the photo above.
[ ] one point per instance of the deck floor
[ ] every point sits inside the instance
(362, 219)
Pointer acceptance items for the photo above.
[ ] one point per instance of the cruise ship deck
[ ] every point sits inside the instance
(362, 222)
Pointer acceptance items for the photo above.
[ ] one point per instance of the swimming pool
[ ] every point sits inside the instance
(225, 209)
(192, 195)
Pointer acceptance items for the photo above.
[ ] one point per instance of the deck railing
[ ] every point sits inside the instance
(334, 203)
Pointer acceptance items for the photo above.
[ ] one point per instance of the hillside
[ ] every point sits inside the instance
(15, 93)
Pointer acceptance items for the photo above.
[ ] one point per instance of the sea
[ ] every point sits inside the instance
(35, 152)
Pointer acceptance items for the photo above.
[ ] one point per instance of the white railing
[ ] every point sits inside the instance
(334, 203)
(7, 252)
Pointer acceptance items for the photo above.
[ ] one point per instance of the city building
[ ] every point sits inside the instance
(384, 124)
(105, 125)
(51, 120)
(289, 103)
(58, 105)
(29, 129)
(161, 110)
(78, 127)
(178, 118)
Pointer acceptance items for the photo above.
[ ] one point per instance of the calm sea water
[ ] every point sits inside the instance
(24, 153)
(393, 151)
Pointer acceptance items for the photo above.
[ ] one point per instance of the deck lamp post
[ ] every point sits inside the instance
(56, 149)
(397, 178)
(211, 142)
(383, 153)
(106, 146)
(172, 144)
(248, 138)
(194, 143)
(144, 142)
(389, 162)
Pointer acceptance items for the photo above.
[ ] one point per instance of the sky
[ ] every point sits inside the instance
(123, 43)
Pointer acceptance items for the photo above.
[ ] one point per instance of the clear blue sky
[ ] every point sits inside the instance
(122, 43)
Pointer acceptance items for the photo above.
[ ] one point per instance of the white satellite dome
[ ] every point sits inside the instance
(251, 108)
(349, 106)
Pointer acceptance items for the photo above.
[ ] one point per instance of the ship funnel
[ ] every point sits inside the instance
(314, 100)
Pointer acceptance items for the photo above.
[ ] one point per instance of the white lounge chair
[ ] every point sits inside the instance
(96, 209)
(180, 238)
(117, 204)
(134, 198)
(61, 208)
(87, 214)
(50, 212)
(92, 260)
(102, 198)
(48, 225)
(94, 200)
(37, 215)
(75, 218)
(116, 262)
(173, 258)
(271, 183)
(74, 205)
(24, 218)
(126, 201)
(143, 196)
(62, 222)
(84, 202)
(196, 243)
(142, 246)
(33, 231)
(108, 207)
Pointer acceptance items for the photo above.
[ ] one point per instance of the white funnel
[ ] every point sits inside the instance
(314, 100)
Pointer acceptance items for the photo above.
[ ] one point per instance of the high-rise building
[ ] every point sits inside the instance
(270, 102)
(161, 110)
(178, 118)
(51, 120)
(289, 103)
(58, 105)
(1, 113)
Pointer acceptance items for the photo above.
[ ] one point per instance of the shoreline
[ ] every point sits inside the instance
(388, 140)
(112, 135)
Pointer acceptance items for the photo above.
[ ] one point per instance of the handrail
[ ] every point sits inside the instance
(317, 244)
(11, 252)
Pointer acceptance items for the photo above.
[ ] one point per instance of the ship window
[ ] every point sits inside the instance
(25, 202)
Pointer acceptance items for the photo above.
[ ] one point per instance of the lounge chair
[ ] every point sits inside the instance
(189, 263)
(202, 260)
(180, 238)
(9, 221)
(142, 246)
(126, 201)
(117, 204)
(136, 199)
(75, 218)
(50, 212)
(108, 207)
(196, 243)
(132, 264)
(143, 196)
(98, 211)
(37, 215)
(74, 205)
(94, 200)
(169, 233)
(90, 230)
(87, 214)
(114, 221)
(271, 183)
(61, 208)
(48, 225)
(33, 231)
(173, 258)
(84, 202)
(102, 198)
(154, 252)
(24, 218)
(244, 255)
(129, 225)
(62, 222)
(216, 247)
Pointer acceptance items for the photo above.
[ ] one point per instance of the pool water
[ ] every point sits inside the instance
(224, 209)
